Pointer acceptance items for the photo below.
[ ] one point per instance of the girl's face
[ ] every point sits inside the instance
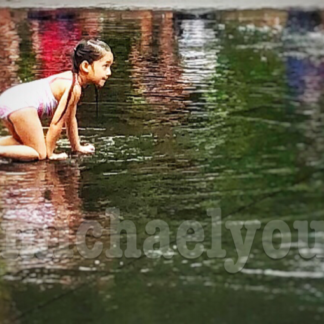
(100, 70)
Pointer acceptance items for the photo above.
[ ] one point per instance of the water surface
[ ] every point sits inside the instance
(221, 110)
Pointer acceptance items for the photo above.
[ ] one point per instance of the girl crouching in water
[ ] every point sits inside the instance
(22, 106)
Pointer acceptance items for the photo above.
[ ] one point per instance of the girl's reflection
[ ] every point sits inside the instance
(40, 215)
(39, 219)
(39, 202)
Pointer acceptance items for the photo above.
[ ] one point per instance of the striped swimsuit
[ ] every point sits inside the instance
(36, 94)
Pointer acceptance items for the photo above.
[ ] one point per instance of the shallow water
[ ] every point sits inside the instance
(219, 113)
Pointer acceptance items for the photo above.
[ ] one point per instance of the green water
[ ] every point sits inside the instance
(218, 111)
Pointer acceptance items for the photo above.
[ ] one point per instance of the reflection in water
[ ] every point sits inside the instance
(38, 198)
(257, 18)
(156, 71)
(41, 213)
(55, 33)
(303, 49)
(9, 50)
(198, 49)
(204, 110)
(304, 40)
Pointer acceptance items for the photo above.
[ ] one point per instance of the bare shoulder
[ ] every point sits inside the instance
(76, 93)
(77, 90)
(61, 83)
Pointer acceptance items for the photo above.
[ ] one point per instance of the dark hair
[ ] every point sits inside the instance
(90, 51)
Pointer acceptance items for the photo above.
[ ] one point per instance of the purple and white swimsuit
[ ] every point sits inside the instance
(36, 94)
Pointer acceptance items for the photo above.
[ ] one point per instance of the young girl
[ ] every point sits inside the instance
(22, 106)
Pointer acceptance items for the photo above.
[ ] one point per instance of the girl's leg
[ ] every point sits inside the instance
(27, 129)
(12, 139)
(8, 140)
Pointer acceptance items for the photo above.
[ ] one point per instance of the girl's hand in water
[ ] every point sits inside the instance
(61, 156)
(86, 149)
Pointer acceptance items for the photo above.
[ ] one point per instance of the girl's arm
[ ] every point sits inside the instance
(55, 128)
(72, 132)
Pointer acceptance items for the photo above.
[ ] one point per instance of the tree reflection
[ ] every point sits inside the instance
(156, 72)
(9, 50)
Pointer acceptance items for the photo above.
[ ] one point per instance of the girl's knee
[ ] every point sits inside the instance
(42, 155)
(41, 151)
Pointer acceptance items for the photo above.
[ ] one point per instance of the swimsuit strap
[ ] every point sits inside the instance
(76, 77)
(52, 78)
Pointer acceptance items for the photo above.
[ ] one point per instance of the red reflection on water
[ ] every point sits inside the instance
(56, 33)
(53, 40)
